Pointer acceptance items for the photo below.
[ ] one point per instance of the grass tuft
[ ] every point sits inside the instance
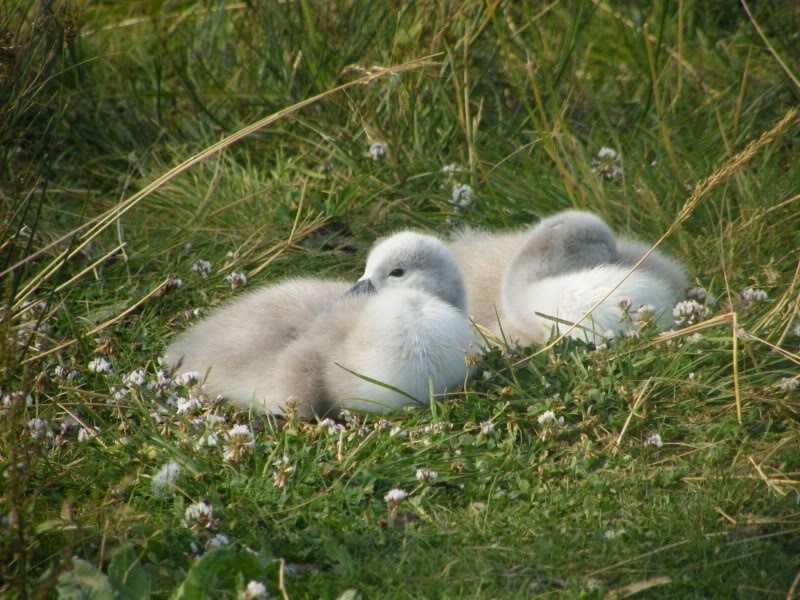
(662, 464)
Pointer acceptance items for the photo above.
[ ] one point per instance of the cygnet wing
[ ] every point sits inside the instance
(567, 297)
(660, 265)
(237, 341)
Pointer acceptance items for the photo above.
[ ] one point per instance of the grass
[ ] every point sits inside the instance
(100, 101)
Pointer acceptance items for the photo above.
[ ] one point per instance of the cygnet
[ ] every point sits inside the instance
(561, 268)
(301, 341)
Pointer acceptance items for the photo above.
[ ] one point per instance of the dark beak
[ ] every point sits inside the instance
(362, 287)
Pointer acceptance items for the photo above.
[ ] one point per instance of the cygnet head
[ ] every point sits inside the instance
(414, 260)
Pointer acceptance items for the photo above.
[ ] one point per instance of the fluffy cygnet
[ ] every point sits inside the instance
(561, 267)
(298, 341)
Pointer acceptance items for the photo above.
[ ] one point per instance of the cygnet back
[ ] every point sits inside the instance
(234, 344)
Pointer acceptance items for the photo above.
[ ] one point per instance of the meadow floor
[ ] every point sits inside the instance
(676, 470)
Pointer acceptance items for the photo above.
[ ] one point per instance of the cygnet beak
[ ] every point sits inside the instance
(362, 286)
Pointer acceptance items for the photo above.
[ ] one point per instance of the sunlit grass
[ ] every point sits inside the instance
(661, 464)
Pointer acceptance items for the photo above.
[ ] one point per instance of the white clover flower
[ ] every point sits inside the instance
(487, 375)
(549, 416)
(609, 153)
(396, 430)
(188, 379)
(166, 477)
(395, 496)
(237, 430)
(60, 372)
(236, 280)
(38, 428)
(119, 393)
(217, 541)
(283, 468)
(691, 376)
(654, 440)
(440, 427)
(487, 427)
(202, 268)
(135, 378)
(701, 295)
(383, 424)
(255, 590)
(170, 285)
(379, 150)
(100, 365)
(607, 163)
(613, 533)
(231, 254)
(462, 195)
(187, 405)
(210, 440)
(239, 444)
(199, 516)
(72, 375)
(332, 426)
(753, 295)
(689, 312)
(788, 384)
(452, 169)
(215, 419)
(87, 434)
(695, 338)
(646, 313)
(427, 476)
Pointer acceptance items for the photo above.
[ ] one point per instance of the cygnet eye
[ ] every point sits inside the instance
(397, 273)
